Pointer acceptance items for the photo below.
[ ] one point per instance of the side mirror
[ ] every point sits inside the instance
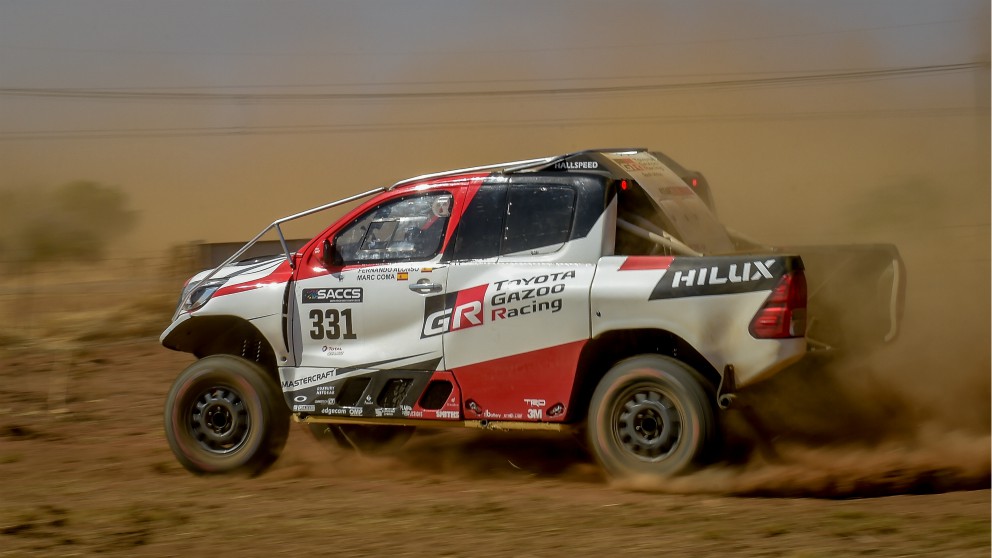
(330, 256)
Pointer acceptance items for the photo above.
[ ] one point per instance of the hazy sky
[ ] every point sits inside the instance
(217, 116)
(224, 43)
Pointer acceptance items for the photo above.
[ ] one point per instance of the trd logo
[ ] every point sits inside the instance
(453, 311)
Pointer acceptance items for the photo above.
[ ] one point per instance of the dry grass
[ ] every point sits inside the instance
(79, 305)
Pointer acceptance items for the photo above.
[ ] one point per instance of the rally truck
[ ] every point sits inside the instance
(594, 291)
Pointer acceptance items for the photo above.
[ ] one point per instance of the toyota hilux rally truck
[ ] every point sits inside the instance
(594, 291)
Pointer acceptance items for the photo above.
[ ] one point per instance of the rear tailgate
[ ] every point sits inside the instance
(856, 294)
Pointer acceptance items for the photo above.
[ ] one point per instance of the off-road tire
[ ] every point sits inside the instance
(224, 414)
(652, 416)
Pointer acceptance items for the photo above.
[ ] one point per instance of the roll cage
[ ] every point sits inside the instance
(538, 164)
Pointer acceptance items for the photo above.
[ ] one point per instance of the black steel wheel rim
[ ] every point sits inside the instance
(647, 422)
(219, 420)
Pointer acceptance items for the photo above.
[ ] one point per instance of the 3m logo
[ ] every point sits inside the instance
(453, 311)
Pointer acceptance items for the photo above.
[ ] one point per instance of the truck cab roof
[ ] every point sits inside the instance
(650, 187)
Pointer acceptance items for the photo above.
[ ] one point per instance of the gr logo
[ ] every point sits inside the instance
(453, 311)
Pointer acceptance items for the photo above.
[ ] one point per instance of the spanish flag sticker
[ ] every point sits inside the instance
(402, 276)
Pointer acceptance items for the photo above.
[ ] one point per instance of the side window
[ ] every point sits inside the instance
(407, 229)
(538, 219)
(481, 226)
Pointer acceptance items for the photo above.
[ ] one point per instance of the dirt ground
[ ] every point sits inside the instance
(85, 470)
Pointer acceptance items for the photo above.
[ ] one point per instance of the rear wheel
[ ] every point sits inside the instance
(365, 439)
(225, 414)
(650, 415)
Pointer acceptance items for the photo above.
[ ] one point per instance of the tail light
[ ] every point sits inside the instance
(783, 314)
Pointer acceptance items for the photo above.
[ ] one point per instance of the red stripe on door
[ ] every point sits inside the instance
(640, 263)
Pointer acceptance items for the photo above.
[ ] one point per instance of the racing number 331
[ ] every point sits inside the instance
(327, 324)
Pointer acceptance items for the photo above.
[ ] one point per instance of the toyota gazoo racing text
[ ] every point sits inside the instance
(594, 292)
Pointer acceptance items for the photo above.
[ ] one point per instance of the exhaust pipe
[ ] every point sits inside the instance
(725, 395)
(725, 401)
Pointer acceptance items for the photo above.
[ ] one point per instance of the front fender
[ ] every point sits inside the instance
(230, 335)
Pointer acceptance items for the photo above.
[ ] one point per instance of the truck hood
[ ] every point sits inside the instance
(244, 267)
(238, 277)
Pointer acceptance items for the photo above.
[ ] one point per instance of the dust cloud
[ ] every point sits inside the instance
(901, 421)
(910, 416)
(858, 428)
(935, 461)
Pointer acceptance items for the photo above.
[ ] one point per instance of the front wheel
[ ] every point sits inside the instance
(650, 416)
(225, 414)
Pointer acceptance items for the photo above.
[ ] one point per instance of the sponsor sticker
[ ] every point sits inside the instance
(509, 298)
(576, 165)
(307, 381)
(333, 295)
(690, 277)
(453, 311)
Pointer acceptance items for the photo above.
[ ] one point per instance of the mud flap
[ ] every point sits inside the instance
(751, 427)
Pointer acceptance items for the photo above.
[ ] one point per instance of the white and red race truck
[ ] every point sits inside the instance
(592, 290)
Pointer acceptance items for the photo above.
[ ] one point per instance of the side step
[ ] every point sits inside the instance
(499, 425)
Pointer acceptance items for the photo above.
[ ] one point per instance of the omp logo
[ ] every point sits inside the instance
(338, 294)
(453, 311)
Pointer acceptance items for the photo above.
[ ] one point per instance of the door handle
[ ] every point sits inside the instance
(426, 287)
